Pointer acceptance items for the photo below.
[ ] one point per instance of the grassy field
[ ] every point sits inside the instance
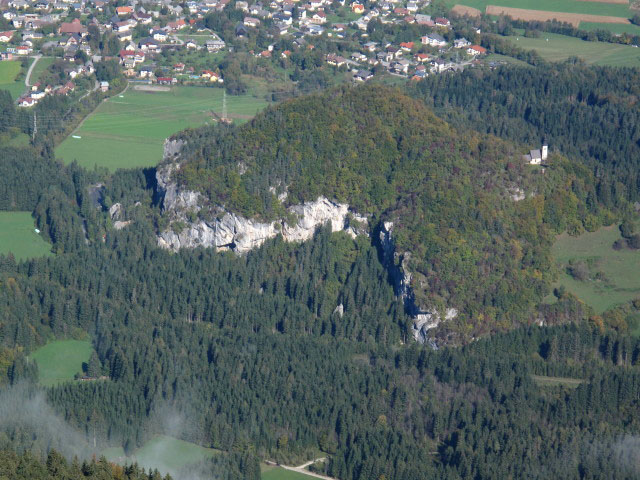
(9, 70)
(270, 472)
(165, 453)
(612, 27)
(60, 360)
(40, 68)
(555, 48)
(619, 281)
(569, 6)
(17, 235)
(128, 130)
(544, 381)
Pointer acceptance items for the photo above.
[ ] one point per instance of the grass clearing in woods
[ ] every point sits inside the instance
(18, 236)
(128, 130)
(167, 454)
(59, 361)
(613, 274)
(270, 472)
(544, 381)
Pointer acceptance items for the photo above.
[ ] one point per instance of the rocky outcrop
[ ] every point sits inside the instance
(424, 319)
(195, 223)
(172, 148)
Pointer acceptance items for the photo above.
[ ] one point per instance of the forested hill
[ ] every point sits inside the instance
(590, 114)
(449, 193)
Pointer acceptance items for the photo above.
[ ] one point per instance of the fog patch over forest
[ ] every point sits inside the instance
(24, 411)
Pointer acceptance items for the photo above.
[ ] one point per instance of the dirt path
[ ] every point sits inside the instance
(302, 469)
(28, 77)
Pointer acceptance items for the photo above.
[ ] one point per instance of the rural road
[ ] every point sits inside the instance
(28, 77)
(301, 469)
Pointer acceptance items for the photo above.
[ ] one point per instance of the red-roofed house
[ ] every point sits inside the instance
(122, 11)
(476, 50)
(72, 27)
(6, 36)
(406, 46)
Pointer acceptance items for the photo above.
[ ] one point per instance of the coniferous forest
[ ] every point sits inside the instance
(250, 351)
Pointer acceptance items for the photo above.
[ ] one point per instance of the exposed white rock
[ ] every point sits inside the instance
(115, 211)
(229, 231)
(119, 225)
(339, 310)
(424, 321)
(517, 194)
(240, 234)
(172, 148)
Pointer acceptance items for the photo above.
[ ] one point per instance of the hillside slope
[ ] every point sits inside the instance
(468, 220)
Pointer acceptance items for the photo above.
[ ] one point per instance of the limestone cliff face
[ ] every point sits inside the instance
(424, 319)
(226, 230)
(196, 223)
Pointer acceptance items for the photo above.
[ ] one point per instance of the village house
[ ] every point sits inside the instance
(434, 40)
(362, 76)
(476, 50)
(357, 8)
(214, 45)
(442, 22)
(211, 76)
(6, 36)
(251, 22)
(167, 80)
(124, 11)
(159, 35)
(26, 102)
(72, 27)
(461, 43)
(336, 60)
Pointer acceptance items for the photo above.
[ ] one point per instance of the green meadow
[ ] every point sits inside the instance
(167, 454)
(613, 274)
(59, 361)
(269, 472)
(555, 48)
(9, 71)
(617, 28)
(18, 236)
(43, 64)
(128, 130)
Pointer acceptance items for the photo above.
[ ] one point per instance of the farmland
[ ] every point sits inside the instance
(612, 15)
(18, 236)
(9, 71)
(60, 360)
(613, 274)
(555, 48)
(567, 6)
(167, 454)
(128, 130)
